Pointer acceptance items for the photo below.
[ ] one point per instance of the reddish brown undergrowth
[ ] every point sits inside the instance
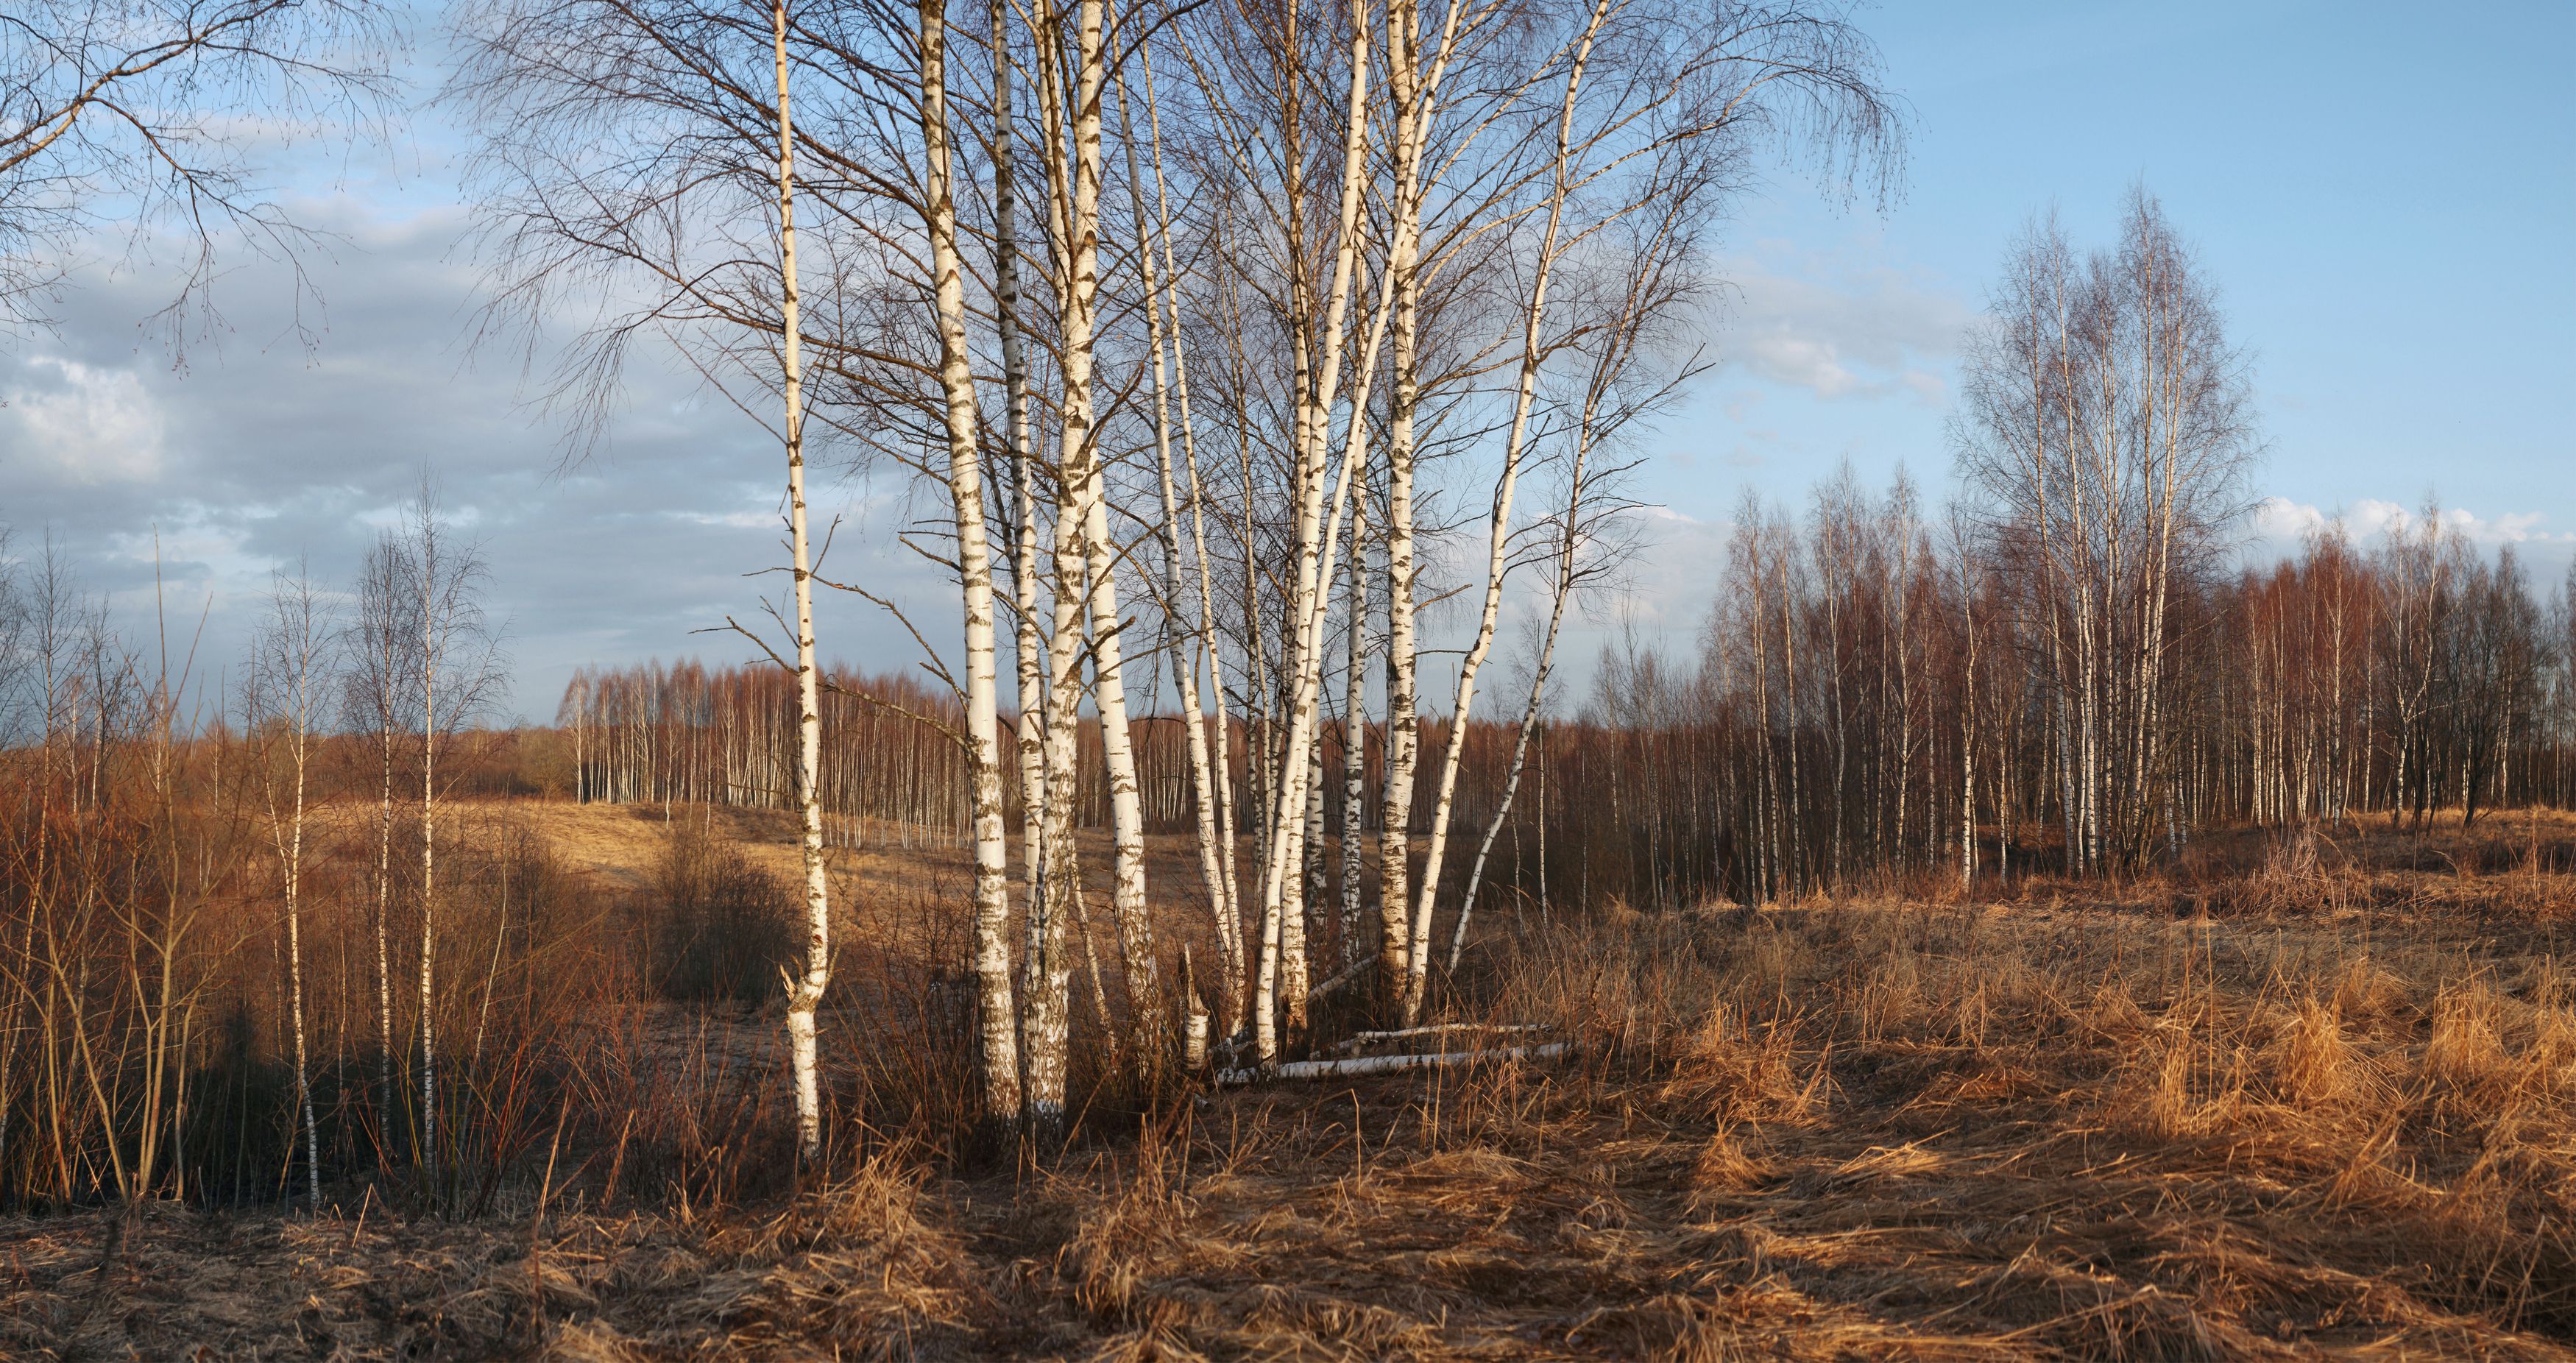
(1881, 1130)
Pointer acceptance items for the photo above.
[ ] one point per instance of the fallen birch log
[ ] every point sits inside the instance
(1316, 994)
(1358, 1039)
(1385, 1064)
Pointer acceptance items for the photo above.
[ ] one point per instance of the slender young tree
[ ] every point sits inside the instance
(381, 637)
(460, 676)
(1354, 738)
(644, 160)
(1163, 328)
(804, 988)
(1574, 540)
(286, 689)
(1499, 520)
(992, 951)
(1072, 78)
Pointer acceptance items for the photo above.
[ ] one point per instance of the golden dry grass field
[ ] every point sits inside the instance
(2306, 1097)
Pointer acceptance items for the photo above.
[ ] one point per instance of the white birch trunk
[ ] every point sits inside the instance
(295, 958)
(1416, 100)
(1074, 211)
(1619, 347)
(1039, 1005)
(1528, 726)
(384, 908)
(428, 859)
(1213, 866)
(1354, 741)
(1314, 532)
(1968, 734)
(805, 990)
(1126, 811)
(1498, 539)
(997, 1016)
(291, 660)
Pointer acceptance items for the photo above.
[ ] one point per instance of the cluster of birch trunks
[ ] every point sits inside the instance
(1880, 692)
(1211, 326)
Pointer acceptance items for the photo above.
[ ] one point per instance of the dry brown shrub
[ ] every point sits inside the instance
(1747, 1074)
(1467, 1171)
(2466, 1053)
(1121, 1242)
(2367, 992)
(861, 1268)
(2114, 1013)
(2312, 1064)
(2154, 1096)
(1725, 1166)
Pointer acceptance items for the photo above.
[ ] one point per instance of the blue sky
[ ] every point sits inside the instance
(2383, 196)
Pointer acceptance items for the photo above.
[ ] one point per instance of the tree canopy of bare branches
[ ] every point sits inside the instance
(160, 121)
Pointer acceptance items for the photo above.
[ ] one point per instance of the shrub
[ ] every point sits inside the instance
(719, 926)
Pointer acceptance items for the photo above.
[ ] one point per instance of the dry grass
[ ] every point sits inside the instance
(2332, 1112)
(852, 1267)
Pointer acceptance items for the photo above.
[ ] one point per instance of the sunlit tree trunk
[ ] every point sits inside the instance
(1354, 738)
(1617, 348)
(379, 597)
(1153, 230)
(1073, 185)
(429, 660)
(1315, 526)
(805, 989)
(1039, 1006)
(1498, 534)
(1118, 759)
(1415, 95)
(288, 676)
(998, 1017)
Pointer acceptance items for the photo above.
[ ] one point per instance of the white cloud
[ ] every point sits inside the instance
(1672, 578)
(2283, 524)
(1838, 323)
(261, 455)
(70, 423)
(2286, 521)
(1801, 362)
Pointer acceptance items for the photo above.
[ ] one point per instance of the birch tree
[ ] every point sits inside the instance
(287, 689)
(1071, 80)
(998, 1019)
(805, 989)
(1562, 172)
(1318, 330)
(1694, 99)
(1159, 275)
(2106, 435)
(379, 681)
(460, 676)
(640, 163)
(1574, 542)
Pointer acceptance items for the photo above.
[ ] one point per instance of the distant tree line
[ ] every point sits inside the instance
(1896, 715)
(1859, 703)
